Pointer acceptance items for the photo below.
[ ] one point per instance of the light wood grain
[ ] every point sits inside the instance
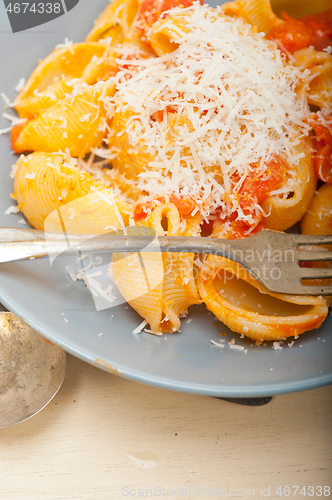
(102, 433)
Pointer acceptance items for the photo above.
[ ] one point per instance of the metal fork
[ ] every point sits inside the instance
(273, 258)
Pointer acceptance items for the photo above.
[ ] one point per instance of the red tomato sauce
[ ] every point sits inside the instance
(184, 205)
(296, 34)
(237, 229)
(254, 190)
(151, 10)
(257, 186)
(322, 145)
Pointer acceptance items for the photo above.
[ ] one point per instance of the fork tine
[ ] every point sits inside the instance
(313, 290)
(314, 256)
(316, 272)
(308, 239)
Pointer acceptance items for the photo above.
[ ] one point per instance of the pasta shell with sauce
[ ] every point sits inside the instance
(238, 300)
(173, 288)
(61, 63)
(283, 213)
(318, 220)
(258, 13)
(35, 104)
(73, 123)
(45, 183)
(319, 82)
(180, 290)
(132, 159)
(119, 13)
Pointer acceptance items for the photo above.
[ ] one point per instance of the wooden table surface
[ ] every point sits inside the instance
(103, 437)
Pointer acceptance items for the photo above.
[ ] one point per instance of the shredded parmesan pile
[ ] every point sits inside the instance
(227, 100)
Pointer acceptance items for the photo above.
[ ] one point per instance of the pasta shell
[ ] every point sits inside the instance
(34, 105)
(100, 69)
(128, 188)
(73, 123)
(131, 159)
(140, 281)
(173, 287)
(65, 62)
(258, 13)
(318, 218)
(115, 33)
(283, 213)
(119, 13)
(180, 290)
(318, 84)
(238, 300)
(45, 183)
(163, 33)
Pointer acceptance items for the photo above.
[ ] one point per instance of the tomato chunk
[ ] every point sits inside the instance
(323, 135)
(257, 186)
(296, 34)
(151, 10)
(321, 25)
(323, 164)
(236, 229)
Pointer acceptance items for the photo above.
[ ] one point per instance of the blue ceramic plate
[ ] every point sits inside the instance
(64, 311)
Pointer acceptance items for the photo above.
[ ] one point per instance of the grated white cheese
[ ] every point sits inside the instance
(89, 279)
(103, 153)
(5, 130)
(14, 121)
(85, 118)
(235, 104)
(217, 344)
(72, 213)
(20, 85)
(158, 334)
(13, 170)
(7, 100)
(12, 210)
(140, 327)
(31, 176)
(236, 347)
(68, 44)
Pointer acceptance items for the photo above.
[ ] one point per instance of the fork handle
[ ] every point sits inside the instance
(13, 251)
(11, 235)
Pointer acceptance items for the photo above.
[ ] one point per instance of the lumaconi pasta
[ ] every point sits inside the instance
(49, 80)
(45, 183)
(255, 312)
(202, 117)
(318, 219)
(74, 123)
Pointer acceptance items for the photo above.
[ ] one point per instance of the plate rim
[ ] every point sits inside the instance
(256, 390)
(261, 390)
